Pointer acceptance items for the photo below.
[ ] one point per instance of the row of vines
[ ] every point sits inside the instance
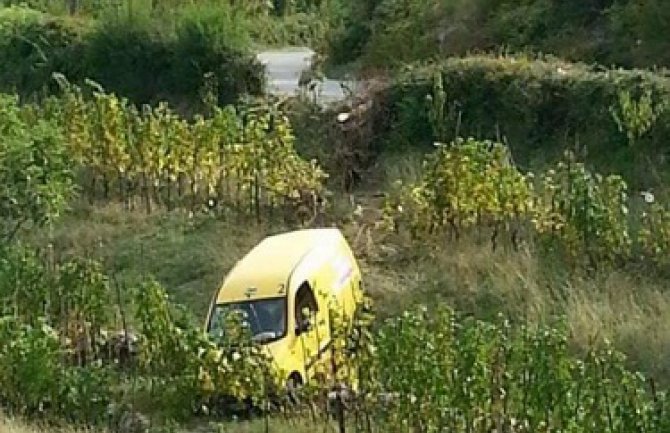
(72, 347)
(242, 159)
(77, 345)
(426, 370)
(472, 186)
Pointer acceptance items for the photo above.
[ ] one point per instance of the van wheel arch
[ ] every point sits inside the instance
(293, 385)
(295, 379)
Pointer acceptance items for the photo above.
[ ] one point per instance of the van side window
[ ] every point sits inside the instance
(305, 299)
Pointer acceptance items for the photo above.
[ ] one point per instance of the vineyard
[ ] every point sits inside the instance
(79, 345)
(151, 157)
(471, 186)
(426, 370)
(111, 209)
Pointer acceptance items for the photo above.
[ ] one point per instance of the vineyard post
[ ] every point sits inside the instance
(180, 185)
(257, 195)
(105, 187)
(608, 409)
(119, 303)
(194, 175)
(341, 419)
(51, 267)
(266, 415)
(220, 187)
(91, 196)
(168, 185)
(238, 191)
(243, 140)
(122, 194)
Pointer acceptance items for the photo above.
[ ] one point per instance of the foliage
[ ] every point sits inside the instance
(350, 31)
(182, 368)
(35, 172)
(586, 212)
(538, 107)
(466, 183)
(635, 27)
(427, 369)
(243, 159)
(143, 59)
(30, 360)
(654, 234)
(36, 382)
(447, 371)
(33, 46)
(403, 28)
(569, 210)
(57, 330)
(296, 30)
(385, 33)
(636, 118)
(73, 299)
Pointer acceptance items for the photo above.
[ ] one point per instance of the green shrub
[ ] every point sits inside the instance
(34, 380)
(449, 370)
(30, 364)
(145, 62)
(127, 56)
(35, 173)
(637, 33)
(349, 30)
(141, 58)
(539, 107)
(33, 46)
(212, 42)
(301, 29)
(392, 32)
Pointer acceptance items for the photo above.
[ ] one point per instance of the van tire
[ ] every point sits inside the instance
(293, 385)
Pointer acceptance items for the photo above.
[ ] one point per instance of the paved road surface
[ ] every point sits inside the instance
(284, 67)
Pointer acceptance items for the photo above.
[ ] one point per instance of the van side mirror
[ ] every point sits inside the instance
(304, 326)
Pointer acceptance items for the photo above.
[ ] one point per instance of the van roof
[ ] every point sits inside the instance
(265, 270)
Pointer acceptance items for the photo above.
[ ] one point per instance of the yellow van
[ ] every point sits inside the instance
(286, 287)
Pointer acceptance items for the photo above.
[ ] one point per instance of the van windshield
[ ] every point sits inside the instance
(265, 318)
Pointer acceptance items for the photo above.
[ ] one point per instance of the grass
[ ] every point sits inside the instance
(276, 425)
(191, 255)
(11, 425)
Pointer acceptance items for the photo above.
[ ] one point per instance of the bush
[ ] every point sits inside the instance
(623, 32)
(211, 42)
(34, 380)
(143, 59)
(33, 46)
(539, 107)
(128, 57)
(35, 174)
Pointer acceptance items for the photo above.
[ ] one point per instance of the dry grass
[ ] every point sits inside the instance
(12, 426)
(626, 308)
(190, 256)
(275, 425)
(9, 425)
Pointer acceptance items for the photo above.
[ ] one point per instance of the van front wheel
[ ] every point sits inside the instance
(293, 385)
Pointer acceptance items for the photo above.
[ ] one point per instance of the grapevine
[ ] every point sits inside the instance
(473, 187)
(654, 235)
(465, 184)
(243, 160)
(587, 213)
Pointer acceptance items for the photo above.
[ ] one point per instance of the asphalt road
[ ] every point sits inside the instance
(284, 67)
